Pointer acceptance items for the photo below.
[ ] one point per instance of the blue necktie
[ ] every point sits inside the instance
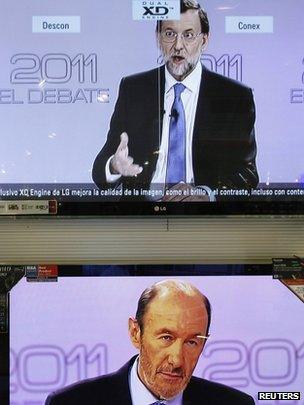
(176, 164)
(158, 403)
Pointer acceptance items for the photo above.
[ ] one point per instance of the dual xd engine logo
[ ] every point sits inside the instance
(156, 10)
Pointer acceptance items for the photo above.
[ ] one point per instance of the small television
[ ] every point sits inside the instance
(89, 118)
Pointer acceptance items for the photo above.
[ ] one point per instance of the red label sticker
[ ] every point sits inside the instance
(47, 271)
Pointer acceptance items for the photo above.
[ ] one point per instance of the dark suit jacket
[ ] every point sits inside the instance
(223, 148)
(113, 389)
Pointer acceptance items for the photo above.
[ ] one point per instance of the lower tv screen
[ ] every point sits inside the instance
(117, 107)
(66, 332)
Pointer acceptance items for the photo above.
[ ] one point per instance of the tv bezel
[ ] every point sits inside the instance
(136, 208)
(76, 271)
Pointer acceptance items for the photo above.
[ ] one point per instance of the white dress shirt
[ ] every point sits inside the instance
(189, 98)
(141, 395)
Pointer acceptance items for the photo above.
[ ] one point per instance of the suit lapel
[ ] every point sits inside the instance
(155, 92)
(120, 388)
(203, 118)
(202, 102)
(158, 107)
(192, 397)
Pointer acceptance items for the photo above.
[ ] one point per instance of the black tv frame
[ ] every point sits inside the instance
(76, 271)
(82, 208)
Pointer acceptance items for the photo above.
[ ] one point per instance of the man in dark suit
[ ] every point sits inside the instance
(170, 330)
(181, 123)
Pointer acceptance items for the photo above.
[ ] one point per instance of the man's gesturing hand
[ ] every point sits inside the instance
(121, 162)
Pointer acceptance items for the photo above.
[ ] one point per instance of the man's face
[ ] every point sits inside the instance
(170, 345)
(181, 56)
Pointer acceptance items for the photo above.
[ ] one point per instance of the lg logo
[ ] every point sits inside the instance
(157, 208)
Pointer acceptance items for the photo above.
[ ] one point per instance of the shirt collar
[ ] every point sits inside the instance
(192, 81)
(141, 395)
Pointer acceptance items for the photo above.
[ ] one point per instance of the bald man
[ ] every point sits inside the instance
(169, 330)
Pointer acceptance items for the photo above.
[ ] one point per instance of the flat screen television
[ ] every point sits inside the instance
(77, 328)
(153, 107)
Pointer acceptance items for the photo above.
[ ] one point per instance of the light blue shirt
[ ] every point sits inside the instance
(141, 395)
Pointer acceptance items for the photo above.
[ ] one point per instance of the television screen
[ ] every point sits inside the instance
(77, 328)
(125, 105)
